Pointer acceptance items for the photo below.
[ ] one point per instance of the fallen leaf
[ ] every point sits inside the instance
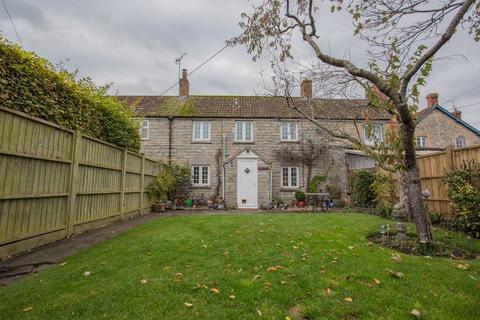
(376, 281)
(27, 309)
(348, 299)
(215, 290)
(267, 285)
(397, 258)
(463, 266)
(256, 277)
(87, 273)
(259, 312)
(143, 281)
(417, 314)
(103, 263)
(188, 305)
(323, 270)
(328, 291)
(62, 264)
(395, 274)
(351, 247)
(283, 282)
(232, 297)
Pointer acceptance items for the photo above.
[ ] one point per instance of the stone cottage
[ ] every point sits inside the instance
(437, 128)
(241, 147)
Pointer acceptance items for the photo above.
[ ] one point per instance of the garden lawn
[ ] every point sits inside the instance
(323, 268)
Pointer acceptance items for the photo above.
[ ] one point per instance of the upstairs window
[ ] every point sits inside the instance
(244, 131)
(373, 132)
(144, 130)
(421, 142)
(200, 175)
(460, 142)
(288, 131)
(289, 177)
(201, 131)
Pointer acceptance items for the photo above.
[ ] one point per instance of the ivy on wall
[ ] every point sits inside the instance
(35, 86)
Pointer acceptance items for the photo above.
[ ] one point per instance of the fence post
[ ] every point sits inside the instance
(72, 191)
(123, 183)
(142, 182)
(449, 157)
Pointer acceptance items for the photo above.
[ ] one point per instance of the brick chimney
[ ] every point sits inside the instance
(457, 113)
(306, 88)
(184, 86)
(432, 99)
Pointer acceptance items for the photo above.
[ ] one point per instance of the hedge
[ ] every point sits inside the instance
(35, 86)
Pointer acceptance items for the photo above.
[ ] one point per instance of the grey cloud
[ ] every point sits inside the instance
(134, 44)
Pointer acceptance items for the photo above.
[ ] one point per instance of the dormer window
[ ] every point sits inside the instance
(421, 142)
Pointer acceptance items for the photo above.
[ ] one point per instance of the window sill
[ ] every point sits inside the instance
(289, 189)
(289, 141)
(243, 142)
(201, 142)
(200, 187)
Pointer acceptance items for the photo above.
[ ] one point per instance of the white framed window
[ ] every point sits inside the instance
(288, 131)
(200, 175)
(201, 131)
(289, 177)
(421, 141)
(144, 130)
(460, 142)
(373, 132)
(244, 131)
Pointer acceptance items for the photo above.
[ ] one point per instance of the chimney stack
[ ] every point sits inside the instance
(184, 86)
(306, 88)
(432, 99)
(457, 113)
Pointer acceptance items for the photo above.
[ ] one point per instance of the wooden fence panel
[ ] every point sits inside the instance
(55, 181)
(433, 168)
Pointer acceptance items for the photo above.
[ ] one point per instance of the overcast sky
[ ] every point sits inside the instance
(133, 44)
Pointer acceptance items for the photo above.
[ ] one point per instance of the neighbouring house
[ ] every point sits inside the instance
(438, 128)
(238, 146)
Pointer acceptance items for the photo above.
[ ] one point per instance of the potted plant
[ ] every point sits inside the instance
(300, 196)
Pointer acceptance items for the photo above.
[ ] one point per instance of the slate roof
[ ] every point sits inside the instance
(422, 114)
(249, 107)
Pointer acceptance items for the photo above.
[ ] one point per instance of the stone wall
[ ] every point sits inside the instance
(266, 136)
(442, 131)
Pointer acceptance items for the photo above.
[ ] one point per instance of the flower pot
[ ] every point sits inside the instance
(158, 207)
(301, 203)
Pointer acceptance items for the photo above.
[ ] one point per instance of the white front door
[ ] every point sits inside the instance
(247, 193)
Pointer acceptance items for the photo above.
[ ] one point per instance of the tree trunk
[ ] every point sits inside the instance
(403, 191)
(309, 177)
(414, 188)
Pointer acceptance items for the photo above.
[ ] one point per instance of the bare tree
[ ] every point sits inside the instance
(308, 154)
(397, 32)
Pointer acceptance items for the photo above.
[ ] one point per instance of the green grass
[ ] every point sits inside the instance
(318, 251)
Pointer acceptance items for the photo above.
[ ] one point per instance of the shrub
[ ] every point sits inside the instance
(333, 191)
(35, 86)
(464, 192)
(300, 195)
(277, 201)
(172, 180)
(314, 182)
(362, 191)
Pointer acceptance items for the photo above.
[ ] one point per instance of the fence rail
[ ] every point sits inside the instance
(55, 182)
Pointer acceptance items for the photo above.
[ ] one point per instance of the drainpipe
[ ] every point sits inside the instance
(170, 131)
(224, 151)
(270, 191)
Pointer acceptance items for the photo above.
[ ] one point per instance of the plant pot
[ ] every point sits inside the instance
(158, 207)
(301, 203)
